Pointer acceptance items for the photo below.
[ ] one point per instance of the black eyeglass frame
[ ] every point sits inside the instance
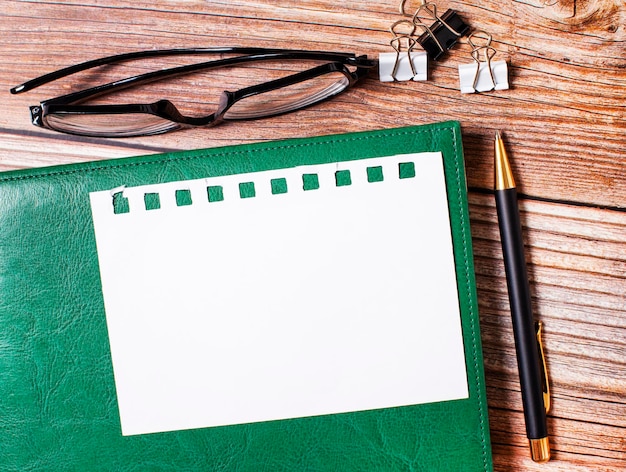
(70, 103)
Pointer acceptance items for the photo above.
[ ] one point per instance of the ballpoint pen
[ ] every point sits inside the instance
(528, 348)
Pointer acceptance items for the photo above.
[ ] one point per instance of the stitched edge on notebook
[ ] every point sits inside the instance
(113, 165)
(473, 316)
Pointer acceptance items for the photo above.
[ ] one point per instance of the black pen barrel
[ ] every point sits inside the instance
(526, 344)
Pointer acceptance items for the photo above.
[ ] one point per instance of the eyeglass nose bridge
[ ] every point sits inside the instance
(168, 110)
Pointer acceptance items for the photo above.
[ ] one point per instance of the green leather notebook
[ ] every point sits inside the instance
(302, 305)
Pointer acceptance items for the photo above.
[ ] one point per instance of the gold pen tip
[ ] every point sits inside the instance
(540, 449)
(503, 175)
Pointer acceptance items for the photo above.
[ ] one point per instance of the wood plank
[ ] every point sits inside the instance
(577, 267)
(565, 114)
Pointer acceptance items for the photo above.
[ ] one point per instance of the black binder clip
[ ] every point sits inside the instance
(442, 34)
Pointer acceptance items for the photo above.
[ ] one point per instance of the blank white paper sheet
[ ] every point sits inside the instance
(281, 294)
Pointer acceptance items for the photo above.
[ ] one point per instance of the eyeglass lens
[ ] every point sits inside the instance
(288, 98)
(109, 124)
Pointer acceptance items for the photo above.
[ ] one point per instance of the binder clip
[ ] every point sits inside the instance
(442, 34)
(483, 76)
(403, 65)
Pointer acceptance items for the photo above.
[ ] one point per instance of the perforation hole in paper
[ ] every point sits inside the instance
(183, 197)
(343, 178)
(215, 193)
(279, 186)
(375, 174)
(120, 204)
(247, 190)
(310, 182)
(152, 201)
(406, 170)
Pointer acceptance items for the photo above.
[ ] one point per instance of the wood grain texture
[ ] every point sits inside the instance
(564, 124)
(577, 267)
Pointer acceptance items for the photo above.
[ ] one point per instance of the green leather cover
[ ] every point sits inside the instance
(58, 407)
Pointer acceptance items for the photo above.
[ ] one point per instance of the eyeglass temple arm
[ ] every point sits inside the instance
(44, 79)
(81, 95)
(90, 93)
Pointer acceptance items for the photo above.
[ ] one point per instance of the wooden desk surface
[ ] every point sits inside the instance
(564, 122)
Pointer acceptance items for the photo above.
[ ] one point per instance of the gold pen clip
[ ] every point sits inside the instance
(546, 384)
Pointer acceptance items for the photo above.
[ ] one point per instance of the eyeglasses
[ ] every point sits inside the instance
(290, 80)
